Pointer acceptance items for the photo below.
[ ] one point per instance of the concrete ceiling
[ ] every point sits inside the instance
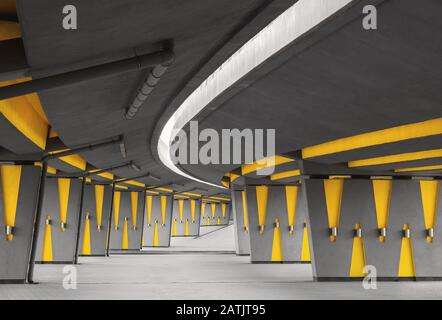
(341, 80)
(203, 34)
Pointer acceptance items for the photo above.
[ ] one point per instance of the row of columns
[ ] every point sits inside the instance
(347, 228)
(83, 219)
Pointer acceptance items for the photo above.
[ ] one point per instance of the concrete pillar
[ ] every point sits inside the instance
(240, 221)
(394, 218)
(157, 221)
(215, 214)
(19, 187)
(95, 220)
(277, 224)
(186, 217)
(59, 221)
(127, 222)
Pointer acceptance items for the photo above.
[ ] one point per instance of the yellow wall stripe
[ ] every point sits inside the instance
(186, 228)
(10, 179)
(63, 197)
(134, 203)
(106, 175)
(86, 248)
(264, 163)
(181, 209)
(333, 196)
(192, 210)
(411, 156)
(47, 243)
(135, 183)
(429, 193)
(262, 193)
(406, 262)
(117, 197)
(424, 168)
(174, 228)
(99, 198)
(382, 194)
(25, 116)
(203, 210)
(244, 209)
(125, 238)
(155, 235)
(8, 6)
(149, 200)
(395, 134)
(9, 30)
(305, 252)
(285, 174)
(223, 210)
(291, 195)
(163, 209)
(358, 261)
(213, 208)
(277, 255)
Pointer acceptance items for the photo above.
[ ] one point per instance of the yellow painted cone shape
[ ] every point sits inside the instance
(358, 261)
(382, 193)
(305, 253)
(163, 209)
(406, 263)
(174, 231)
(99, 198)
(429, 193)
(63, 197)
(86, 250)
(277, 248)
(155, 235)
(10, 179)
(186, 229)
(333, 195)
(125, 239)
(47, 243)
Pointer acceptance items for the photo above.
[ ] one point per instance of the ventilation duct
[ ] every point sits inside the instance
(148, 86)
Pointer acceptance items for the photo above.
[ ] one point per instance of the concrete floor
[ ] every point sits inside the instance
(201, 275)
(211, 239)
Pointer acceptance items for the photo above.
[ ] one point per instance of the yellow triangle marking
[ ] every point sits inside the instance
(429, 193)
(47, 243)
(406, 263)
(382, 194)
(99, 198)
(125, 239)
(134, 202)
(117, 198)
(333, 196)
(155, 235)
(10, 179)
(358, 261)
(86, 250)
(276, 246)
(305, 252)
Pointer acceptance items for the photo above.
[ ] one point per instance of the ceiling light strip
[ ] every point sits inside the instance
(294, 22)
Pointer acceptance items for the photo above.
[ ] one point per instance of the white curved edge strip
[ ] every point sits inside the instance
(290, 25)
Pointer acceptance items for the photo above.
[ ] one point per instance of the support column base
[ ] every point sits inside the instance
(381, 279)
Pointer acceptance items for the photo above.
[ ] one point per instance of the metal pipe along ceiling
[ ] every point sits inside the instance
(148, 86)
(78, 76)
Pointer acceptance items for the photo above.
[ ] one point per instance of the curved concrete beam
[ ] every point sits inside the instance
(289, 26)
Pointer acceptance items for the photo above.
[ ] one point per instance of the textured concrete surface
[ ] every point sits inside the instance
(202, 276)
